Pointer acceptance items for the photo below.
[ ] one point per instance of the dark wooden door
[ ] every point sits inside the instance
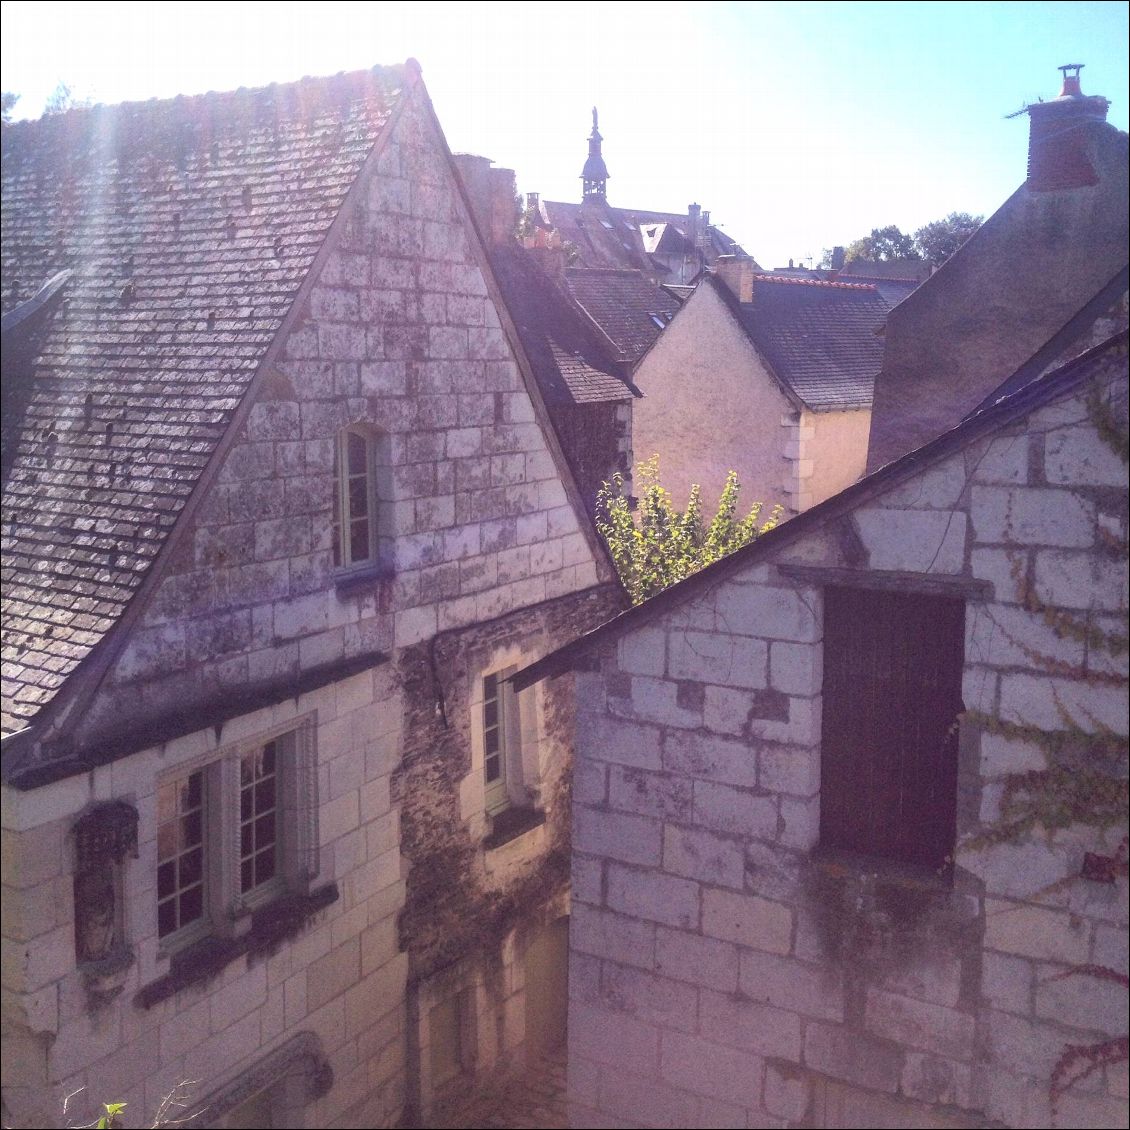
(892, 693)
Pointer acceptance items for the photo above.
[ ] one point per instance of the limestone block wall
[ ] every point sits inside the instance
(340, 976)
(728, 971)
(398, 333)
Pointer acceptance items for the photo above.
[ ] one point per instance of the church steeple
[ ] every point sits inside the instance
(595, 173)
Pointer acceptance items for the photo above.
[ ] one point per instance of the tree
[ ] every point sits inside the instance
(882, 245)
(61, 99)
(666, 545)
(937, 241)
(9, 103)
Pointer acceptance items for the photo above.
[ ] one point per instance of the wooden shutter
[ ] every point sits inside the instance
(892, 693)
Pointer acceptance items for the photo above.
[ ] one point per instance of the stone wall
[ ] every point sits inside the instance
(489, 563)
(726, 970)
(738, 426)
(340, 975)
(400, 333)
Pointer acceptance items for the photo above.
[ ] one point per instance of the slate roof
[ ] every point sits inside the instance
(820, 338)
(605, 236)
(188, 226)
(625, 305)
(571, 362)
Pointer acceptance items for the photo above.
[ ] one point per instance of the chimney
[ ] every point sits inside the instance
(1057, 137)
(837, 258)
(736, 271)
(492, 195)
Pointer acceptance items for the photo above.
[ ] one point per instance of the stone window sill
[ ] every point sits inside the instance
(843, 864)
(362, 580)
(207, 958)
(511, 824)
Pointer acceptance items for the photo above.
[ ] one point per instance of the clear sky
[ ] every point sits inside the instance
(798, 125)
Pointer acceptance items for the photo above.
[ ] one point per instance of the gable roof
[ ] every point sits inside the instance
(1103, 359)
(572, 363)
(631, 310)
(188, 227)
(820, 338)
(1013, 284)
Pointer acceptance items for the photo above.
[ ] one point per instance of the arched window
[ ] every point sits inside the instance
(357, 462)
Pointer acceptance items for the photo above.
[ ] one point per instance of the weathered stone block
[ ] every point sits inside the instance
(664, 795)
(1079, 456)
(613, 835)
(852, 1056)
(932, 1079)
(1003, 460)
(749, 1025)
(790, 984)
(639, 1100)
(1081, 580)
(701, 855)
(708, 1069)
(605, 1036)
(920, 1024)
(1032, 516)
(698, 960)
(670, 1005)
(771, 613)
(717, 658)
(653, 896)
(936, 488)
(643, 652)
(917, 541)
(787, 1091)
(747, 920)
(725, 808)
(708, 758)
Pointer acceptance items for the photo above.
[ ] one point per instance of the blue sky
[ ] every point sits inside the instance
(798, 125)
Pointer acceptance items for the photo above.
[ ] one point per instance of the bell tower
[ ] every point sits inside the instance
(594, 176)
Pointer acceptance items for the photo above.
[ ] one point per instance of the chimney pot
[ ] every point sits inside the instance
(1057, 138)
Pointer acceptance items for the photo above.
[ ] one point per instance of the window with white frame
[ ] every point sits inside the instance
(504, 774)
(234, 832)
(359, 465)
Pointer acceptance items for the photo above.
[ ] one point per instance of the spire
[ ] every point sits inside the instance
(595, 173)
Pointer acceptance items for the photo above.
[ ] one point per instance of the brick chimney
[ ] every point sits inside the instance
(736, 271)
(1057, 138)
(493, 197)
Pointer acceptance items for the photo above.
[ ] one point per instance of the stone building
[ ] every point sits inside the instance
(815, 880)
(1042, 278)
(282, 508)
(766, 375)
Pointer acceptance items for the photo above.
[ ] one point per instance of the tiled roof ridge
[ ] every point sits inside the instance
(791, 281)
(607, 271)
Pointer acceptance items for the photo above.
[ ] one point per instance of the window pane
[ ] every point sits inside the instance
(264, 867)
(246, 840)
(166, 879)
(493, 768)
(357, 447)
(490, 712)
(166, 917)
(358, 498)
(191, 905)
(246, 876)
(166, 840)
(359, 541)
(265, 795)
(191, 867)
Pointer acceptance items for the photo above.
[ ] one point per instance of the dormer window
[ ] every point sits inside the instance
(358, 463)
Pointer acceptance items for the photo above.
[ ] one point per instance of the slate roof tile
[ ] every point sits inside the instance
(572, 364)
(189, 226)
(821, 338)
(625, 305)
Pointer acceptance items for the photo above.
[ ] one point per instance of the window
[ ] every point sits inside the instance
(502, 742)
(360, 461)
(892, 693)
(234, 833)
